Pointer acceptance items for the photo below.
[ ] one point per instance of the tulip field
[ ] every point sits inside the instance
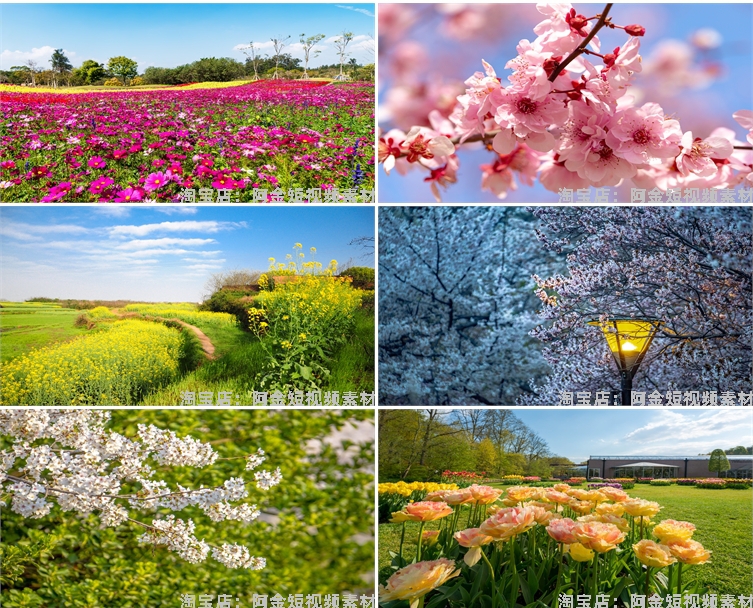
(308, 141)
(504, 546)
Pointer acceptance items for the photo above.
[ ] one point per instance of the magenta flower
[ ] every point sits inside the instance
(100, 184)
(223, 181)
(57, 192)
(155, 181)
(129, 195)
(97, 162)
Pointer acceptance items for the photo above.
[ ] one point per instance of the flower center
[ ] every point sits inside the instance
(527, 106)
(641, 136)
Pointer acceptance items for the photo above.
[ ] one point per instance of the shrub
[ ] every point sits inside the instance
(661, 482)
(113, 82)
(101, 312)
(138, 81)
(363, 277)
(711, 484)
(686, 482)
(228, 302)
(646, 480)
(367, 299)
(737, 484)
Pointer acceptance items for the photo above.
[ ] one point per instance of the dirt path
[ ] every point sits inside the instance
(206, 343)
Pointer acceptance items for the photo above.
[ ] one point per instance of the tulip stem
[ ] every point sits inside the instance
(679, 578)
(577, 578)
(648, 580)
(596, 576)
(402, 539)
(533, 533)
(559, 578)
(491, 574)
(420, 541)
(514, 590)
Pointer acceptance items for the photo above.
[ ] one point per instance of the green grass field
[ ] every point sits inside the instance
(723, 518)
(24, 326)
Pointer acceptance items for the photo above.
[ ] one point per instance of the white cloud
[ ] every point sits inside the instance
(41, 55)
(205, 266)
(112, 210)
(363, 11)
(259, 46)
(672, 432)
(175, 209)
(202, 261)
(150, 243)
(32, 232)
(184, 226)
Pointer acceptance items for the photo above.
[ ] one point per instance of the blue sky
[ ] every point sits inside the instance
(696, 109)
(162, 253)
(168, 35)
(580, 433)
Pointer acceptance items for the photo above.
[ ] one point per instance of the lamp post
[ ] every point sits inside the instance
(629, 340)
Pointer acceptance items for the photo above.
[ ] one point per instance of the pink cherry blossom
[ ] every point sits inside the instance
(642, 135)
(697, 154)
(745, 120)
(424, 143)
(562, 31)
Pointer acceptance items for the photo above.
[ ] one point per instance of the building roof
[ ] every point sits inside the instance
(729, 457)
(648, 464)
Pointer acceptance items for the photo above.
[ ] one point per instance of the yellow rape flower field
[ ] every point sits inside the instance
(184, 312)
(114, 366)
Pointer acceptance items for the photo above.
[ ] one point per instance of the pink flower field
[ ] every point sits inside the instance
(298, 140)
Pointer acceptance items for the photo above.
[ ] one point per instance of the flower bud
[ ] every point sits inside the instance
(635, 30)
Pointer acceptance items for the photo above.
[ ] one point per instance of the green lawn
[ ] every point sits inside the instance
(25, 327)
(723, 518)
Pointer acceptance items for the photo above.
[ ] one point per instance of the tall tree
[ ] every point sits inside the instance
(123, 68)
(279, 44)
(33, 69)
(456, 304)
(252, 53)
(91, 71)
(60, 65)
(341, 44)
(718, 462)
(689, 267)
(308, 44)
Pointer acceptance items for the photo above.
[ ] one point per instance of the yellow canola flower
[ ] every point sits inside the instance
(114, 366)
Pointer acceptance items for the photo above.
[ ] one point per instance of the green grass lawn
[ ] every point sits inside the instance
(723, 518)
(25, 327)
(724, 522)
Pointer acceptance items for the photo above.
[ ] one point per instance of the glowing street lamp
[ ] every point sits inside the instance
(629, 340)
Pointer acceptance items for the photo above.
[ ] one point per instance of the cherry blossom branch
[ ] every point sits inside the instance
(582, 47)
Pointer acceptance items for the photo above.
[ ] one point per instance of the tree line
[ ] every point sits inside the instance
(420, 444)
(123, 71)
